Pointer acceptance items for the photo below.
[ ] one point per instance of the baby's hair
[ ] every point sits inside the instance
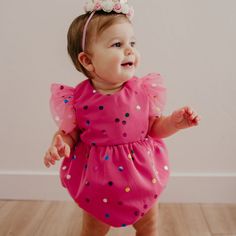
(99, 22)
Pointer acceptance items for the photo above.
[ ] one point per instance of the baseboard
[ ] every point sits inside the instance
(182, 187)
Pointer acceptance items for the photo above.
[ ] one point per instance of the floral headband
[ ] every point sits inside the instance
(118, 6)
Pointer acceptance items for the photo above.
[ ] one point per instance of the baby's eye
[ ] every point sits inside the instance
(133, 44)
(118, 44)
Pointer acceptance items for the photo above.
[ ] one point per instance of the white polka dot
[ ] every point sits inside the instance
(130, 156)
(166, 167)
(154, 85)
(158, 109)
(105, 200)
(94, 91)
(57, 118)
(138, 107)
(149, 152)
(68, 176)
(64, 167)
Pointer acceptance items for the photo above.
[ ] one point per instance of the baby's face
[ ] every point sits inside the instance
(114, 54)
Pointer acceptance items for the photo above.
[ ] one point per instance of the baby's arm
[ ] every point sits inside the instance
(165, 126)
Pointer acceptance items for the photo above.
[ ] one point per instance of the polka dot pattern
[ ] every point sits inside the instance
(113, 171)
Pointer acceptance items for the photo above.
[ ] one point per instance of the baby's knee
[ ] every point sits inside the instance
(148, 225)
(93, 227)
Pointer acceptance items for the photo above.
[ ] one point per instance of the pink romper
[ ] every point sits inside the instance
(116, 171)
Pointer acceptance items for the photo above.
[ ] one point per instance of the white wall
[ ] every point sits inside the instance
(191, 43)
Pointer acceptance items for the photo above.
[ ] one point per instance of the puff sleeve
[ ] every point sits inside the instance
(62, 107)
(153, 84)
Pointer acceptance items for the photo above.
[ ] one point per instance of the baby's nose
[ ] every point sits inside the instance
(128, 50)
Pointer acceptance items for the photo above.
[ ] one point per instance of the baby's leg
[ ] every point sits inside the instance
(148, 224)
(93, 227)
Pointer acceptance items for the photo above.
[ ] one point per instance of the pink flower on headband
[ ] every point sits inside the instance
(98, 6)
(117, 8)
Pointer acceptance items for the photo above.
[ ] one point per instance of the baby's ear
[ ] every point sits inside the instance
(85, 60)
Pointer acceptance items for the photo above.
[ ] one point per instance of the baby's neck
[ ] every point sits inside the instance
(106, 88)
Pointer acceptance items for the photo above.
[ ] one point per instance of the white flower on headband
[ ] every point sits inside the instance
(118, 6)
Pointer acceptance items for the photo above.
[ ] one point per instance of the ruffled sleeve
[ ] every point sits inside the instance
(156, 92)
(62, 107)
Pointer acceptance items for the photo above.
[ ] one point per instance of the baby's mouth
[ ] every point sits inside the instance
(127, 64)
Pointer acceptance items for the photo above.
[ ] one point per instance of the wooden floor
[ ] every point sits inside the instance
(44, 218)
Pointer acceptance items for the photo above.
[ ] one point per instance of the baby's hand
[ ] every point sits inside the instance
(56, 151)
(184, 118)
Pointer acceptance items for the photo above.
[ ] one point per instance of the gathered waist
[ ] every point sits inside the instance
(146, 139)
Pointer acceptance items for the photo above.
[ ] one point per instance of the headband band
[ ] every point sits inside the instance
(85, 29)
(118, 6)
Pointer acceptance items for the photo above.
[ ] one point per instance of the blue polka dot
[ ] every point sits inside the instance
(120, 168)
(107, 157)
(107, 215)
(66, 101)
(123, 225)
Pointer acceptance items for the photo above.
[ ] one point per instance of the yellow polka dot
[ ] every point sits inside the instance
(127, 189)
(154, 180)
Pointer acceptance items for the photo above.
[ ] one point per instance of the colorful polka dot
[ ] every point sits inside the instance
(120, 168)
(87, 122)
(85, 107)
(107, 157)
(124, 122)
(110, 183)
(123, 225)
(61, 87)
(127, 189)
(136, 213)
(94, 91)
(64, 167)
(166, 168)
(74, 157)
(117, 120)
(105, 200)
(101, 107)
(66, 101)
(68, 177)
(154, 180)
(138, 107)
(129, 156)
(107, 215)
(127, 114)
(57, 118)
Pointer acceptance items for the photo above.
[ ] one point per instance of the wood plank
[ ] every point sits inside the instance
(181, 220)
(221, 218)
(61, 218)
(21, 218)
